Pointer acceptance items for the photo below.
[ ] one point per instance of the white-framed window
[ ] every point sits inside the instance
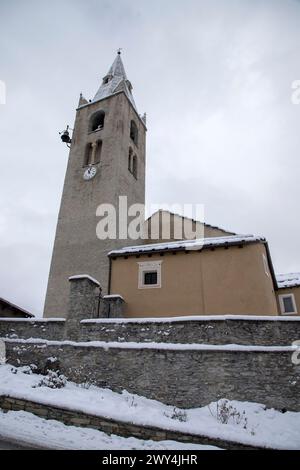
(266, 265)
(149, 274)
(287, 304)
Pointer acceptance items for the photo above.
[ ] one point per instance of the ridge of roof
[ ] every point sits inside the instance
(192, 219)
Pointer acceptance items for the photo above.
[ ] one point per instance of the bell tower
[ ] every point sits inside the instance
(106, 160)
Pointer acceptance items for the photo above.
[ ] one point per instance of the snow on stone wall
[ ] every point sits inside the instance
(176, 376)
(223, 330)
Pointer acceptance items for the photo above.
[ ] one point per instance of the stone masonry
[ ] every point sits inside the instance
(77, 248)
(86, 301)
(183, 362)
(264, 332)
(183, 377)
(110, 426)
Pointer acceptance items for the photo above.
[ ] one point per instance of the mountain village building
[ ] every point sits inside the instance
(218, 274)
(186, 314)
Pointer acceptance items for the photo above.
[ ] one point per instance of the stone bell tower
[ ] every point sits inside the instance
(106, 160)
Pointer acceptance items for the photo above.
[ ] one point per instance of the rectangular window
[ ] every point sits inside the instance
(149, 274)
(150, 278)
(287, 304)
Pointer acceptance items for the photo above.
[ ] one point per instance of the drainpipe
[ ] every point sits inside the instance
(109, 275)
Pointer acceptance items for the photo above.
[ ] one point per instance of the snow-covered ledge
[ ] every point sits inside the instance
(32, 320)
(113, 306)
(84, 276)
(195, 318)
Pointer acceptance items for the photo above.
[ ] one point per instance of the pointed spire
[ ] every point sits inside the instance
(117, 69)
(82, 100)
(116, 80)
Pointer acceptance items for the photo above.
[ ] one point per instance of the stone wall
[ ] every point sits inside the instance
(83, 292)
(27, 328)
(222, 331)
(184, 377)
(215, 331)
(110, 426)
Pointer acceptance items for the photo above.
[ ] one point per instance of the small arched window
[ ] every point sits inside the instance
(134, 133)
(88, 155)
(130, 159)
(92, 153)
(134, 166)
(98, 151)
(97, 121)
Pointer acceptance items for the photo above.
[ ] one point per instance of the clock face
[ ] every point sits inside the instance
(89, 173)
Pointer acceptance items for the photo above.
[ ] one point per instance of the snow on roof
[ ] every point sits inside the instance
(288, 280)
(115, 81)
(189, 245)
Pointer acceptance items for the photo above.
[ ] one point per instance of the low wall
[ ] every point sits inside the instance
(27, 328)
(241, 330)
(183, 376)
(247, 330)
(109, 426)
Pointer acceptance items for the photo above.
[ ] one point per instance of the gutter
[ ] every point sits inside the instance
(109, 275)
(183, 249)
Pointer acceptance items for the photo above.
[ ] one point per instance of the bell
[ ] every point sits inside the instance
(65, 137)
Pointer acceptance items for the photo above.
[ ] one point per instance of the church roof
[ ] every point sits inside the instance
(115, 81)
(189, 245)
(228, 232)
(285, 281)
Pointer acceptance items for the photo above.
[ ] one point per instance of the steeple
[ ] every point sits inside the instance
(116, 80)
(106, 162)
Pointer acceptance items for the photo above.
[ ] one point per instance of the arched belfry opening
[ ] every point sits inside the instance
(134, 166)
(92, 154)
(130, 154)
(134, 133)
(97, 121)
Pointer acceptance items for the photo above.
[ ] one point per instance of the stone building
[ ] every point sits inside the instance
(205, 270)
(106, 160)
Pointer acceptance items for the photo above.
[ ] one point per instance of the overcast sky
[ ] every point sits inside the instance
(214, 77)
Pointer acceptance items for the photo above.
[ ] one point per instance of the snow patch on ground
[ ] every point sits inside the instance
(264, 427)
(28, 429)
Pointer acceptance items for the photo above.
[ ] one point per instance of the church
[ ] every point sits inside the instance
(219, 273)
